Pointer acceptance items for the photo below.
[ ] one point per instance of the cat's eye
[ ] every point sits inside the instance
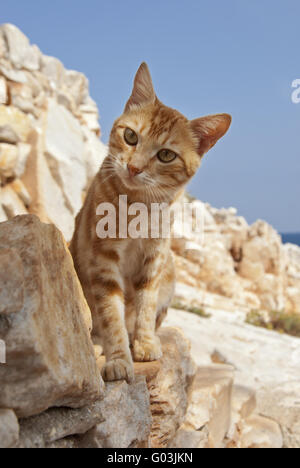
(130, 137)
(166, 155)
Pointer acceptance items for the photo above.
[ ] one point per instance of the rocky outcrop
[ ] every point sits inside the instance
(262, 360)
(41, 172)
(245, 266)
(44, 321)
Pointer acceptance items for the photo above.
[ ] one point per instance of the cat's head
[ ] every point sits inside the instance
(155, 148)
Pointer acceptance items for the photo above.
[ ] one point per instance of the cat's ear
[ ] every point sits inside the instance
(143, 91)
(208, 130)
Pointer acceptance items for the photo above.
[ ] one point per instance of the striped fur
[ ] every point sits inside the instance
(129, 283)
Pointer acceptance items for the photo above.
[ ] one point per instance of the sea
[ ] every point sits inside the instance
(292, 238)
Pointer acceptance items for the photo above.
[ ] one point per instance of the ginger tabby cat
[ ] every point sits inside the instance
(154, 151)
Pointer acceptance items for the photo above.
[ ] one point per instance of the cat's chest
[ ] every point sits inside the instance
(134, 255)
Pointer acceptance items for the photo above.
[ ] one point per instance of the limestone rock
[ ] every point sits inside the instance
(54, 71)
(11, 203)
(11, 279)
(47, 198)
(121, 419)
(50, 357)
(263, 360)
(23, 153)
(95, 153)
(209, 405)
(127, 417)
(3, 216)
(258, 432)
(3, 91)
(65, 155)
(20, 53)
(168, 389)
(8, 160)
(57, 423)
(21, 97)
(9, 429)
(17, 76)
(14, 125)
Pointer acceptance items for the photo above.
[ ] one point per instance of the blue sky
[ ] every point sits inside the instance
(206, 56)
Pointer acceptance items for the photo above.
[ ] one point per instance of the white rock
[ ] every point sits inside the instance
(47, 197)
(264, 360)
(3, 90)
(54, 70)
(3, 47)
(3, 216)
(77, 85)
(15, 126)
(8, 160)
(17, 76)
(92, 122)
(95, 153)
(21, 97)
(9, 429)
(20, 189)
(20, 53)
(23, 150)
(11, 203)
(66, 157)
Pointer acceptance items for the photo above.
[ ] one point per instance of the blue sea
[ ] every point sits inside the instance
(293, 238)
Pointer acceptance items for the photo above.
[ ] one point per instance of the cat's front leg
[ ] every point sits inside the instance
(109, 317)
(147, 345)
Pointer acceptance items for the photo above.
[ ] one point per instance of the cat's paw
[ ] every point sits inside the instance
(118, 369)
(145, 350)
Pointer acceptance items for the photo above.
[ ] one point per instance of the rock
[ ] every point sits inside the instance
(243, 406)
(20, 189)
(14, 125)
(281, 403)
(8, 160)
(58, 423)
(17, 76)
(127, 417)
(168, 389)
(11, 203)
(9, 429)
(258, 432)
(47, 198)
(50, 357)
(209, 406)
(20, 53)
(24, 151)
(3, 91)
(77, 85)
(120, 420)
(11, 279)
(265, 361)
(53, 70)
(3, 216)
(91, 121)
(21, 97)
(65, 155)
(95, 153)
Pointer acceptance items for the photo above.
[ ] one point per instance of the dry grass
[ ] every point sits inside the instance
(193, 310)
(279, 321)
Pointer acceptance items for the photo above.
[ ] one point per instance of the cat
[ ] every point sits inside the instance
(153, 153)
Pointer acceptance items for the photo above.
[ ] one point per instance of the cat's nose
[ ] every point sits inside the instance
(133, 171)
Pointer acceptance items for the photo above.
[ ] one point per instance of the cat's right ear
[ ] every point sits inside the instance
(143, 91)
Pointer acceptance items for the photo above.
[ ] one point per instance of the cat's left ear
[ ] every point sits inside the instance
(143, 91)
(208, 130)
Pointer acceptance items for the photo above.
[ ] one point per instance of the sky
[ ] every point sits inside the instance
(205, 56)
